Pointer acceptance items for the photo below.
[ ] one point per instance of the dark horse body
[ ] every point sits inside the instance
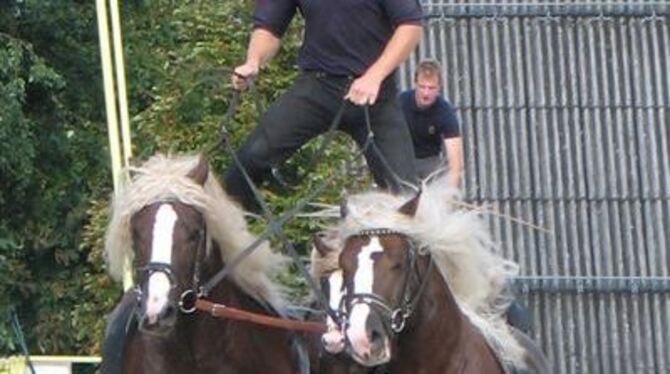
(165, 339)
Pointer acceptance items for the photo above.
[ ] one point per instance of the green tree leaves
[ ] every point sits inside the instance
(55, 178)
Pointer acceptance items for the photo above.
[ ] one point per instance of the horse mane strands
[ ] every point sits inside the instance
(165, 178)
(461, 246)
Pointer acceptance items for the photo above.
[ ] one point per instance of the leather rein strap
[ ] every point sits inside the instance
(226, 312)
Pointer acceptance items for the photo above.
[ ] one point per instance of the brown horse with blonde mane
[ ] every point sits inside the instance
(418, 287)
(177, 227)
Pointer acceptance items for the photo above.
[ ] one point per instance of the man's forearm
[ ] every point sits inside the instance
(454, 150)
(399, 47)
(263, 45)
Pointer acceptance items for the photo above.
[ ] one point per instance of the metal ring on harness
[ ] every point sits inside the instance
(398, 320)
(187, 301)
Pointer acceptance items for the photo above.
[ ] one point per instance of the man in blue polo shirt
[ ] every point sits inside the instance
(433, 124)
(350, 50)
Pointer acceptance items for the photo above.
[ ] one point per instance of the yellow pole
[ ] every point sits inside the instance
(121, 81)
(108, 84)
(115, 105)
(123, 111)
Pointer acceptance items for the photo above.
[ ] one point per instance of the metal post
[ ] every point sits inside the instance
(115, 104)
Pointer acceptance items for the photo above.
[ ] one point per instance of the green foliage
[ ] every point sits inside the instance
(54, 172)
(50, 156)
(190, 92)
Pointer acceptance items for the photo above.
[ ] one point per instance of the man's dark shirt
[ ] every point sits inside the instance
(429, 126)
(342, 37)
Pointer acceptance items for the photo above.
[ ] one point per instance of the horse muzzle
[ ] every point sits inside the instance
(158, 310)
(161, 323)
(333, 341)
(369, 343)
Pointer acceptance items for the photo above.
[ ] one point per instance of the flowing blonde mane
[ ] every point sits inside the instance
(165, 178)
(458, 241)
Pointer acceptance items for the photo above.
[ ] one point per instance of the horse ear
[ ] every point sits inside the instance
(321, 247)
(134, 163)
(200, 172)
(410, 207)
(344, 210)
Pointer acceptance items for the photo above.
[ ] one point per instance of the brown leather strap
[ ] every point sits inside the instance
(224, 311)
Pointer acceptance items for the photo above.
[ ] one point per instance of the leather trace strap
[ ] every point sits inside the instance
(224, 311)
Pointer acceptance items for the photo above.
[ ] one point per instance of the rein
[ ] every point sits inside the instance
(193, 298)
(275, 224)
(227, 312)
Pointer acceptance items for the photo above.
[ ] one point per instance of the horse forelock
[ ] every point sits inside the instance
(460, 244)
(164, 178)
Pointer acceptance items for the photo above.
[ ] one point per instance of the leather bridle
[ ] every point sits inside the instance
(189, 296)
(194, 298)
(394, 317)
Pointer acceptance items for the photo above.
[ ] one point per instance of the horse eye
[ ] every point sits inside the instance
(397, 266)
(194, 236)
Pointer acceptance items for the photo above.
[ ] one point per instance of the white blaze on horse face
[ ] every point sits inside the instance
(161, 245)
(363, 279)
(161, 251)
(335, 288)
(333, 340)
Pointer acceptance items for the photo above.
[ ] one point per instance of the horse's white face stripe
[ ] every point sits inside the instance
(333, 339)
(335, 287)
(365, 272)
(363, 279)
(157, 299)
(161, 251)
(161, 245)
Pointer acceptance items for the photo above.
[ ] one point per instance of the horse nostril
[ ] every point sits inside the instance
(375, 336)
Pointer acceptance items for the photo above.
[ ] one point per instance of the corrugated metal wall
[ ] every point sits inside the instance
(566, 124)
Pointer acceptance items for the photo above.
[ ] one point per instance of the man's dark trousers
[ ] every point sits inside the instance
(307, 110)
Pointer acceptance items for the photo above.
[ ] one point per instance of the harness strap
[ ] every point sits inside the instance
(227, 312)
(274, 223)
(272, 229)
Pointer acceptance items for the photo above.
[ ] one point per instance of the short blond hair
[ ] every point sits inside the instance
(429, 68)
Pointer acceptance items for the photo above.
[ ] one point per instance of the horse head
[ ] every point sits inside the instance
(170, 242)
(182, 233)
(384, 274)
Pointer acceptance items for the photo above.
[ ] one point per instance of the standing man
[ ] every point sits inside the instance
(350, 50)
(433, 124)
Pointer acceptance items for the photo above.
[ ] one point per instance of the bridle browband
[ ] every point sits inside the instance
(397, 317)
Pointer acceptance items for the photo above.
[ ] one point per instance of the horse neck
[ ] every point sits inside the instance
(252, 348)
(226, 291)
(436, 329)
(441, 339)
(438, 309)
